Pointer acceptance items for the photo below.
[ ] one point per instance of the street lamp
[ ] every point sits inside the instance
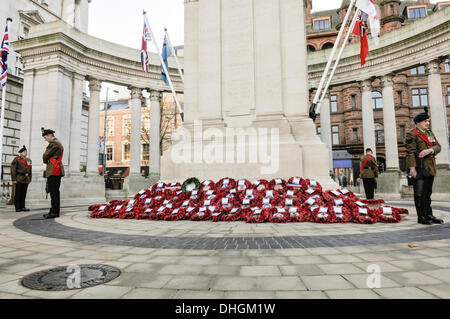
(105, 130)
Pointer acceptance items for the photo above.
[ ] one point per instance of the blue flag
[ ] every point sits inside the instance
(166, 52)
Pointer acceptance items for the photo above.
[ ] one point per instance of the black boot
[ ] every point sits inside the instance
(424, 221)
(50, 215)
(435, 220)
(25, 209)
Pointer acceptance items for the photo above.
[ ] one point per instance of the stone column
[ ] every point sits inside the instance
(438, 121)
(367, 116)
(68, 11)
(75, 126)
(136, 131)
(390, 127)
(94, 126)
(155, 136)
(325, 127)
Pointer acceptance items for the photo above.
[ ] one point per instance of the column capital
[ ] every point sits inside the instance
(136, 93)
(387, 80)
(155, 95)
(433, 67)
(366, 85)
(95, 85)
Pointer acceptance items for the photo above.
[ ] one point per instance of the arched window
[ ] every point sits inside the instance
(311, 48)
(377, 100)
(379, 133)
(328, 45)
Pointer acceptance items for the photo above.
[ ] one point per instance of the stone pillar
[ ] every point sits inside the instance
(136, 131)
(68, 11)
(390, 127)
(75, 126)
(94, 126)
(191, 60)
(155, 136)
(438, 121)
(325, 127)
(367, 116)
(389, 181)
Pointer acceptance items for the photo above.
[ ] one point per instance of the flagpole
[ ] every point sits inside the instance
(2, 117)
(164, 66)
(174, 54)
(341, 51)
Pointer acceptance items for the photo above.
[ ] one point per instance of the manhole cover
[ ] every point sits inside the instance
(71, 277)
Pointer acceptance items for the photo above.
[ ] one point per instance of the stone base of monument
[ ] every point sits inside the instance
(294, 150)
(388, 186)
(135, 183)
(74, 191)
(441, 185)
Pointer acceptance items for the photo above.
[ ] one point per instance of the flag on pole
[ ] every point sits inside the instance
(4, 57)
(368, 7)
(361, 30)
(144, 54)
(166, 52)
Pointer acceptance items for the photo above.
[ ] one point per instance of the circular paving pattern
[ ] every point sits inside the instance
(77, 226)
(71, 277)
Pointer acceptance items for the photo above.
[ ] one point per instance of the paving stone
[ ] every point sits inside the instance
(250, 295)
(189, 282)
(352, 294)
(373, 257)
(301, 270)
(180, 270)
(193, 294)
(259, 271)
(234, 283)
(403, 293)
(412, 278)
(147, 293)
(342, 258)
(307, 260)
(273, 261)
(360, 280)
(199, 260)
(441, 291)
(145, 280)
(300, 295)
(384, 266)
(4, 277)
(143, 267)
(339, 269)
(413, 265)
(441, 274)
(323, 251)
(13, 287)
(326, 282)
(279, 283)
(52, 294)
(443, 262)
(102, 292)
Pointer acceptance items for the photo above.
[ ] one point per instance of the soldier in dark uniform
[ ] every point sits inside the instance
(55, 170)
(21, 177)
(422, 147)
(369, 171)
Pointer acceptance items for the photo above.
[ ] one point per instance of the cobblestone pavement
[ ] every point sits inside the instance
(229, 260)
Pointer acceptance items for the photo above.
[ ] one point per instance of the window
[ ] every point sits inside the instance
(402, 132)
(355, 135)
(377, 100)
(109, 153)
(400, 97)
(328, 45)
(447, 65)
(335, 136)
(379, 133)
(334, 104)
(110, 126)
(420, 70)
(126, 125)
(392, 9)
(126, 151)
(353, 101)
(448, 95)
(145, 152)
(145, 122)
(311, 48)
(321, 25)
(417, 13)
(419, 97)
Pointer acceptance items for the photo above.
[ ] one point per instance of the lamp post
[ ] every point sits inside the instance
(105, 130)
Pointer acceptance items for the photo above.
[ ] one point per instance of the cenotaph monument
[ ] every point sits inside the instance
(246, 77)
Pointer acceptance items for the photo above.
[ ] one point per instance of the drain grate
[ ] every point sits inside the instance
(71, 277)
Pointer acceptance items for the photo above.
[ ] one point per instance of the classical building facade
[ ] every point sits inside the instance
(410, 86)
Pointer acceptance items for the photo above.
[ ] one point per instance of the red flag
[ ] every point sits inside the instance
(361, 30)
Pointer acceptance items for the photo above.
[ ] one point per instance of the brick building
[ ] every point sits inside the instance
(410, 86)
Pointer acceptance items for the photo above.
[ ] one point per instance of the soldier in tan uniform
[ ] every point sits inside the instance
(422, 147)
(21, 177)
(55, 170)
(369, 171)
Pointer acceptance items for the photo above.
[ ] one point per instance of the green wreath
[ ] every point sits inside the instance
(192, 180)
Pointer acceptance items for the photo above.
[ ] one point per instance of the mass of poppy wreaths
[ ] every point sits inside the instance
(260, 201)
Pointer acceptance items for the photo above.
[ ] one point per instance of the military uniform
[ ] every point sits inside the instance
(21, 172)
(54, 172)
(369, 171)
(416, 142)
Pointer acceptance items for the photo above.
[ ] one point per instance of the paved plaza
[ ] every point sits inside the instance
(188, 259)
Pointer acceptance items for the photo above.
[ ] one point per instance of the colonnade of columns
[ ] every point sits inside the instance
(436, 110)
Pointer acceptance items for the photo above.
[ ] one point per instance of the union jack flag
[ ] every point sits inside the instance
(144, 55)
(4, 57)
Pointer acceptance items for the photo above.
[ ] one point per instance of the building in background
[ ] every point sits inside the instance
(410, 86)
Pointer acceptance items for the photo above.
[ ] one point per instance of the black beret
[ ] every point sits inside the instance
(23, 149)
(422, 116)
(47, 131)
(368, 150)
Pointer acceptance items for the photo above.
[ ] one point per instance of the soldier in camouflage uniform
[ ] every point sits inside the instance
(21, 177)
(422, 147)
